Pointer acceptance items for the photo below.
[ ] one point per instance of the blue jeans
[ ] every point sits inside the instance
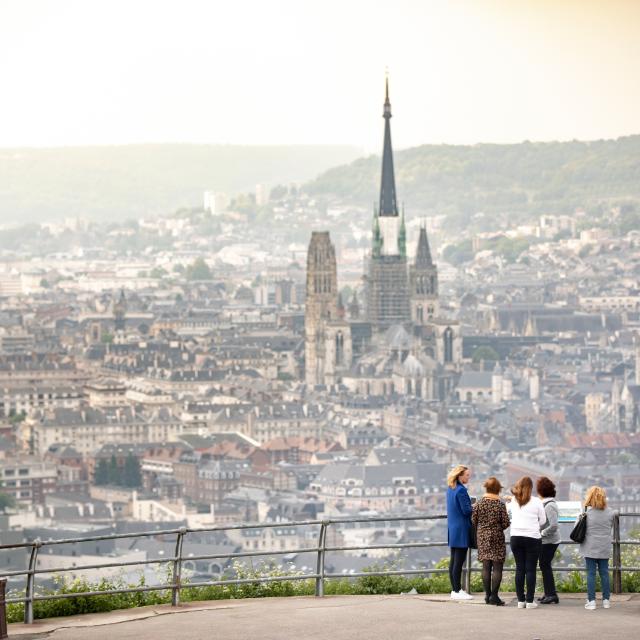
(602, 564)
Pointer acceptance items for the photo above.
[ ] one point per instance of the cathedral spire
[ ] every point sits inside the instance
(423, 254)
(388, 205)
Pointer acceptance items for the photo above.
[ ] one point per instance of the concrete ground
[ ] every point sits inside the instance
(427, 617)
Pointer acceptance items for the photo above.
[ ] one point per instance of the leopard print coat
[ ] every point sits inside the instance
(490, 518)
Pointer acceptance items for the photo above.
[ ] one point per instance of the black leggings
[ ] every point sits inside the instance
(492, 576)
(526, 551)
(546, 558)
(458, 557)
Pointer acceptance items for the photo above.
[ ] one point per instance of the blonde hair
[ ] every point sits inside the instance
(596, 497)
(454, 475)
(522, 490)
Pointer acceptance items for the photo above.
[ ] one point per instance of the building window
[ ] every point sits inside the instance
(339, 348)
(448, 344)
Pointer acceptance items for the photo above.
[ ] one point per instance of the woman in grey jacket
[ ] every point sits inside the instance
(550, 539)
(597, 545)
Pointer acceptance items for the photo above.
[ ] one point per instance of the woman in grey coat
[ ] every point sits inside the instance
(596, 547)
(550, 539)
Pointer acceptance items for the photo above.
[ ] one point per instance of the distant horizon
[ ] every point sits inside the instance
(346, 145)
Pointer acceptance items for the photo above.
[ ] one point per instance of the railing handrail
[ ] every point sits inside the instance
(175, 584)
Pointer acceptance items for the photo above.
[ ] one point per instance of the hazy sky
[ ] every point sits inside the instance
(308, 71)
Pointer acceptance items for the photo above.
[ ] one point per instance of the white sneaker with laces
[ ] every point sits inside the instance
(606, 604)
(460, 595)
(522, 605)
(532, 605)
(591, 605)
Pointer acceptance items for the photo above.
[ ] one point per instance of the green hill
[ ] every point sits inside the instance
(521, 180)
(119, 182)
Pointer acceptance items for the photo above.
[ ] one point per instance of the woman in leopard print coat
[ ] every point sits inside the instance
(490, 519)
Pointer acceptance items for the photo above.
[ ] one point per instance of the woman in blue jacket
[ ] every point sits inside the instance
(458, 526)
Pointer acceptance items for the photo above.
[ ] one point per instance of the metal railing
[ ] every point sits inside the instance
(175, 583)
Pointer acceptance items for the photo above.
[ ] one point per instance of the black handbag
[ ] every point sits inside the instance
(579, 531)
(473, 537)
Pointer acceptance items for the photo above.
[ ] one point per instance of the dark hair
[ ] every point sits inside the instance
(546, 488)
(492, 485)
(522, 490)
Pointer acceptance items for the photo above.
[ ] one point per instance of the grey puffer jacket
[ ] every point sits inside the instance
(551, 531)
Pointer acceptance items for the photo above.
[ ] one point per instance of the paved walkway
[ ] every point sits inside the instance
(349, 618)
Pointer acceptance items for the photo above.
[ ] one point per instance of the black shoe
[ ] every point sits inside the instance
(496, 600)
(550, 600)
(486, 599)
(541, 598)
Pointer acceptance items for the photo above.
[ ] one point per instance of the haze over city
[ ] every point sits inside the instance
(335, 300)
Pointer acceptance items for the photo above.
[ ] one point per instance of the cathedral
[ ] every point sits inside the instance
(411, 349)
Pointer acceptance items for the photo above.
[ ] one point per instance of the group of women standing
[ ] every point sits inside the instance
(535, 537)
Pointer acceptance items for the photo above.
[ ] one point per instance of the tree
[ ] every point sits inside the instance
(199, 270)
(278, 192)
(132, 476)
(101, 475)
(7, 501)
(485, 353)
(114, 474)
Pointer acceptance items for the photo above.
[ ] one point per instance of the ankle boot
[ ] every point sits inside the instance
(495, 599)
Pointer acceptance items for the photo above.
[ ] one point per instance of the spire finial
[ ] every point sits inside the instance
(387, 102)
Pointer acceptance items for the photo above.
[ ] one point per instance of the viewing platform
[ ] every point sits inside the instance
(427, 617)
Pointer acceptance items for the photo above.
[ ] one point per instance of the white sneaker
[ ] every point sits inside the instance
(532, 605)
(606, 604)
(461, 595)
(522, 605)
(591, 605)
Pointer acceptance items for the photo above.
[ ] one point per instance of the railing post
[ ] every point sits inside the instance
(467, 575)
(176, 574)
(3, 608)
(322, 544)
(31, 581)
(617, 556)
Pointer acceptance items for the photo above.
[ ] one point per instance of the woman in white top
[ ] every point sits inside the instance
(527, 518)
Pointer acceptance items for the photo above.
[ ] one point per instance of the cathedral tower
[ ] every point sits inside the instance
(423, 284)
(387, 282)
(327, 336)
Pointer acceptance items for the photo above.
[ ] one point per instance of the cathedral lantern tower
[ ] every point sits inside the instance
(387, 282)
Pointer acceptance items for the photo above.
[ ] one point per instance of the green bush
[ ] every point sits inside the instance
(570, 582)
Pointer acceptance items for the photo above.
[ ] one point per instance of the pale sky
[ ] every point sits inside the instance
(306, 71)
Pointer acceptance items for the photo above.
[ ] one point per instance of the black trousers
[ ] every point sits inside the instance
(547, 552)
(526, 551)
(456, 563)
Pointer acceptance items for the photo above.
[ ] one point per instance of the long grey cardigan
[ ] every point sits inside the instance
(597, 543)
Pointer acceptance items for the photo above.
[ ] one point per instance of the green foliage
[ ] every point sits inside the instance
(114, 471)
(571, 582)
(106, 338)
(17, 418)
(458, 253)
(7, 501)
(485, 353)
(101, 476)
(519, 180)
(198, 270)
(132, 476)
